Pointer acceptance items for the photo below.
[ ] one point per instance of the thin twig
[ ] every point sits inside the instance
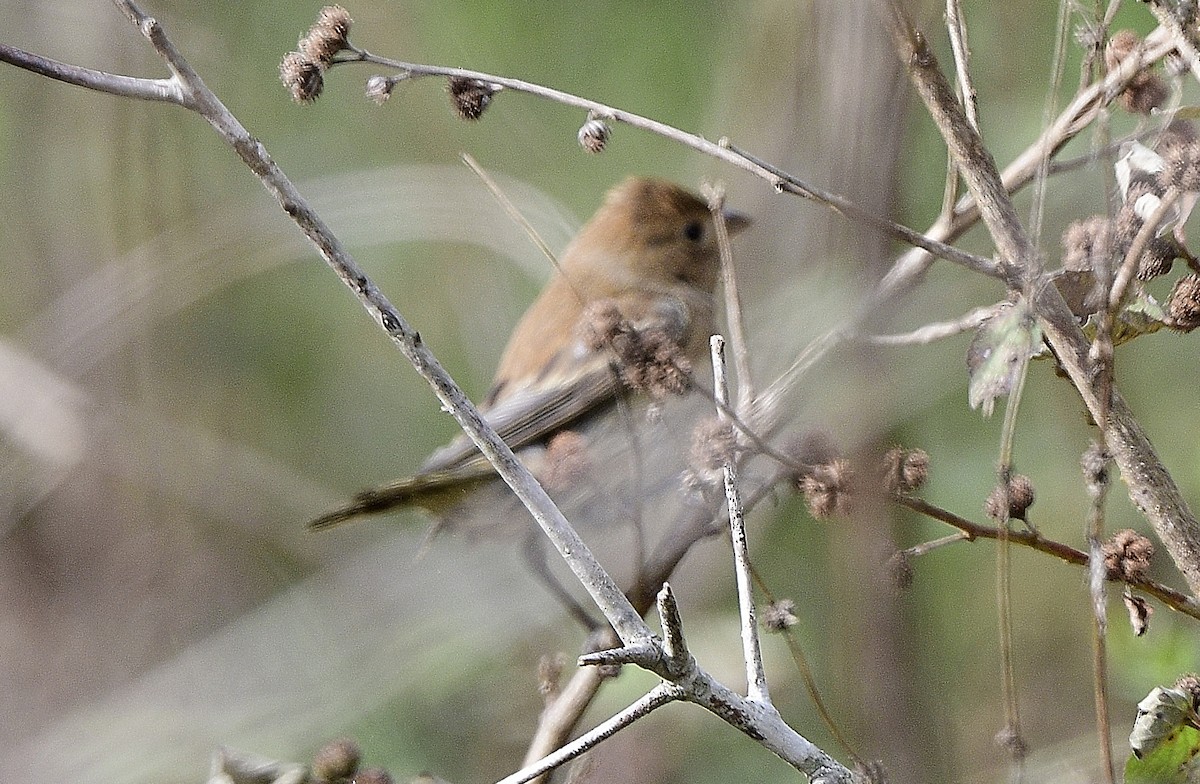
(756, 680)
(1176, 600)
(734, 313)
(956, 26)
(660, 695)
(939, 330)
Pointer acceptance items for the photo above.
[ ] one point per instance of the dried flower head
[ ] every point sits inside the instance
(1177, 132)
(1181, 167)
(905, 470)
(713, 445)
(303, 77)
(328, 36)
(827, 488)
(336, 760)
(1086, 244)
(470, 97)
(779, 615)
(1120, 46)
(1157, 258)
(1127, 556)
(1020, 498)
(593, 135)
(1183, 304)
(1146, 90)
(1189, 684)
(650, 359)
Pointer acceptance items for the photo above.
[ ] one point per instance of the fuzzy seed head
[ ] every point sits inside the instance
(713, 445)
(1181, 167)
(1127, 556)
(1189, 684)
(566, 461)
(1157, 259)
(1120, 46)
(905, 470)
(303, 77)
(827, 489)
(1086, 244)
(328, 36)
(779, 615)
(650, 359)
(1178, 132)
(1146, 92)
(470, 97)
(1020, 498)
(1183, 304)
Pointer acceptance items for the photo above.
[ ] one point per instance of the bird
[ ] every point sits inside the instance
(628, 311)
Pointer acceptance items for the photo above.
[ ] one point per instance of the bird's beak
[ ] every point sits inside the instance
(736, 222)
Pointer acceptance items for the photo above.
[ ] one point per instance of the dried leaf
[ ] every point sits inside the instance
(998, 353)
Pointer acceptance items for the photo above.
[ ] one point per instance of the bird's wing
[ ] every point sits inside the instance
(527, 415)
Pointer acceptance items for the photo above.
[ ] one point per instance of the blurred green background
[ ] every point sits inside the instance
(183, 384)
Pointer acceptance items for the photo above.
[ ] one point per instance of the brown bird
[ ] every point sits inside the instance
(628, 311)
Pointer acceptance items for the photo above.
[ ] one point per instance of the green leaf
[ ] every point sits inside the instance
(998, 354)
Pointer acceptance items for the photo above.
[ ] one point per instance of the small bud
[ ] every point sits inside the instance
(779, 615)
(1012, 742)
(1020, 498)
(1127, 556)
(1183, 304)
(379, 89)
(303, 77)
(336, 760)
(593, 135)
(470, 97)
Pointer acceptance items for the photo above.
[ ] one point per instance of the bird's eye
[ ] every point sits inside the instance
(693, 230)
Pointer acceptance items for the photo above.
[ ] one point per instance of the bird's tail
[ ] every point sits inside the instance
(433, 491)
